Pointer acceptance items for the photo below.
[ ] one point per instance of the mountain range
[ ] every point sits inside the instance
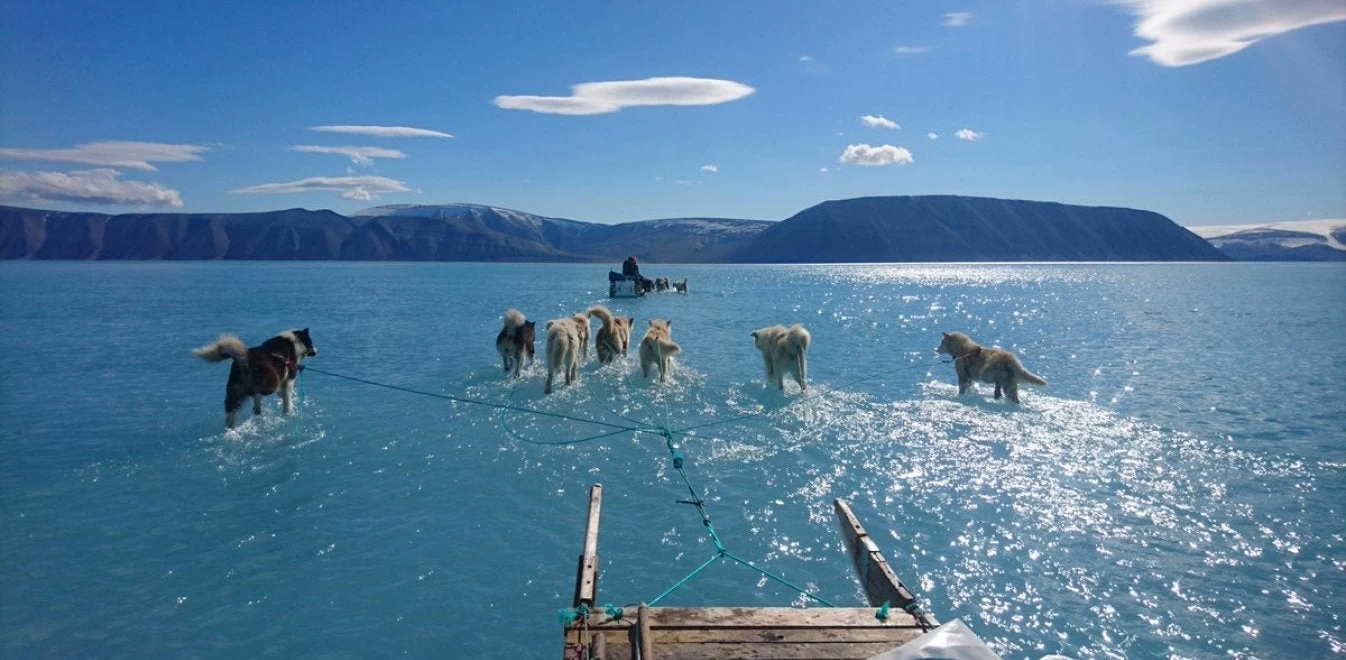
(871, 229)
(1304, 240)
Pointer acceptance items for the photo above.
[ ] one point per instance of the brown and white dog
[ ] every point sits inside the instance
(261, 370)
(988, 365)
(680, 286)
(657, 348)
(613, 338)
(515, 341)
(784, 350)
(563, 350)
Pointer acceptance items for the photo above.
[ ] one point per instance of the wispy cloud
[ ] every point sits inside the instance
(688, 182)
(358, 155)
(381, 131)
(822, 170)
(958, 18)
(878, 122)
(932, 136)
(601, 97)
(112, 153)
(805, 58)
(710, 168)
(910, 50)
(864, 154)
(1195, 31)
(351, 187)
(97, 186)
(969, 135)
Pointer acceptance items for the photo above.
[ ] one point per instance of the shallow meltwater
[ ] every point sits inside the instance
(1142, 504)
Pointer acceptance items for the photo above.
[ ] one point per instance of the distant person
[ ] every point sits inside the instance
(631, 268)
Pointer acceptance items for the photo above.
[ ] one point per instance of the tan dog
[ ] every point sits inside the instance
(515, 341)
(614, 337)
(563, 350)
(657, 348)
(988, 365)
(582, 331)
(784, 350)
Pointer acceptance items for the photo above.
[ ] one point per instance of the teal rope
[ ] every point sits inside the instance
(504, 425)
(475, 402)
(680, 465)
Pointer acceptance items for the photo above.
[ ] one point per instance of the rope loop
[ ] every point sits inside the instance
(614, 612)
(882, 614)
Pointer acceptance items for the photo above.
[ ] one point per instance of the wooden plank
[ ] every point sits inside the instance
(586, 578)
(892, 634)
(877, 578)
(646, 640)
(598, 649)
(757, 617)
(762, 651)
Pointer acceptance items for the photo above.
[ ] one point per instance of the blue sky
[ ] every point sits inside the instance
(1234, 111)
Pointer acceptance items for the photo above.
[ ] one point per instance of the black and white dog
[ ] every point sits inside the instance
(261, 370)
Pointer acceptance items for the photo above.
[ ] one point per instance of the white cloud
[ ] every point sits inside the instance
(969, 135)
(805, 58)
(822, 170)
(932, 136)
(1186, 32)
(958, 18)
(112, 153)
(381, 131)
(878, 122)
(864, 154)
(595, 98)
(910, 50)
(710, 168)
(351, 187)
(687, 182)
(98, 186)
(358, 155)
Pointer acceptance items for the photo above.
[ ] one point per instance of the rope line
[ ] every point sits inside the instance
(475, 402)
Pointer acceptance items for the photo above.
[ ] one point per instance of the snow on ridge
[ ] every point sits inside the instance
(1320, 228)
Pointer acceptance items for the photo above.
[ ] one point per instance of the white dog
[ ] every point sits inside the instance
(657, 348)
(784, 350)
(563, 350)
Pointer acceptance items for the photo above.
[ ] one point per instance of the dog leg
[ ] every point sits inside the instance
(997, 390)
(1012, 390)
(256, 404)
(230, 417)
(962, 385)
(287, 397)
(547, 389)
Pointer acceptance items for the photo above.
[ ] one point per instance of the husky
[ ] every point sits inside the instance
(261, 370)
(563, 350)
(516, 341)
(988, 365)
(582, 331)
(614, 337)
(657, 348)
(680, 286)
(784, 350)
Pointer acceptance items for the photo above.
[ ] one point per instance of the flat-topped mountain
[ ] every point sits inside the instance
(872, 229)
(950, 228)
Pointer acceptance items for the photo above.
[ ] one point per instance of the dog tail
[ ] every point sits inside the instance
(667, 348)
(602, 313)
(798, 339)
(1026, 375)
(227, 347)
(513, 319)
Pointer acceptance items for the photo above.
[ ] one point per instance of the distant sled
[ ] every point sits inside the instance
(624, 286)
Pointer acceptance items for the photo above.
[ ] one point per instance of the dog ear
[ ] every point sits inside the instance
(753, 334)
(945, 334)
(668, 323)
(305, 331)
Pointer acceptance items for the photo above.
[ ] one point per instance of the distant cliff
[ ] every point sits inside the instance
(927, 228)
(949, 228)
